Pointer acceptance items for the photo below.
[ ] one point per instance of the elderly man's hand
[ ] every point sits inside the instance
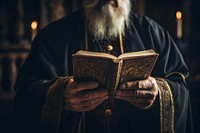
(83, 96)
(141, 93)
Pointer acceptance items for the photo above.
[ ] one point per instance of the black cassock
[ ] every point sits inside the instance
(41, 80)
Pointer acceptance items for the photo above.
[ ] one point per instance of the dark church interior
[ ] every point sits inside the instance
(20, 21)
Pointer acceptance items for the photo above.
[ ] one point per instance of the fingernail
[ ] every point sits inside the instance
(71, 80)
(140, 85)
(118, 92)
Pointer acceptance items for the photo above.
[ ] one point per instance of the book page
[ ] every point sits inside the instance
(95, 54)
(137, 54)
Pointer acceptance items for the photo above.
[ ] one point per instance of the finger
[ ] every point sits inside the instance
(67, 88)
(80, 86)
(93, 101)
(70, 81)
(141, 84)
(85, 96)
(129, 85)
(136, 93)
(146, 84)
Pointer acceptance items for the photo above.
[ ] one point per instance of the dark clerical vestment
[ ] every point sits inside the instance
(41, 82)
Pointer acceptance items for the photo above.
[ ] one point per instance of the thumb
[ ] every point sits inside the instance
(69, 82)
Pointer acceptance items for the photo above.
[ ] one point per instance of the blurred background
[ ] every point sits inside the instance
(20, 21)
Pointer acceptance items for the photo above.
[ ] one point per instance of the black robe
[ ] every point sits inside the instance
(51, 58)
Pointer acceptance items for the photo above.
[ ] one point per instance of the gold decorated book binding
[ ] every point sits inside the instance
(109, 71)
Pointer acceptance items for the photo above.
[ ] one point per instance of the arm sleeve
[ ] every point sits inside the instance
(172, 72)
(39, 72)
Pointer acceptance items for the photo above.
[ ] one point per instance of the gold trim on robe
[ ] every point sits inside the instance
(176, 73)
(166, 107)
(53, 107)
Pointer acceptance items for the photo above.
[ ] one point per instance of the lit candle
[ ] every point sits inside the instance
(179, 24)
(34, 25)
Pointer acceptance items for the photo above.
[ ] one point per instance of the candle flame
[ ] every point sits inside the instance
(179, 15)
(34, 25)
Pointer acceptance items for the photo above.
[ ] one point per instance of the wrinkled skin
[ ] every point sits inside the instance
(84, 96)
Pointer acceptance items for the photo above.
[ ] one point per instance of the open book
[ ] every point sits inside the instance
(109, 71)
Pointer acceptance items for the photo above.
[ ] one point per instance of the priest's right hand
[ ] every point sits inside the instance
(83, 96)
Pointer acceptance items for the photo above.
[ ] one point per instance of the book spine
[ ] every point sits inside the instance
(114, 77)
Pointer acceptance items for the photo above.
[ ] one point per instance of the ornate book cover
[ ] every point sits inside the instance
(109, 71)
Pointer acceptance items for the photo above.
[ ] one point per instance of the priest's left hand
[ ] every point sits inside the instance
(140, 93)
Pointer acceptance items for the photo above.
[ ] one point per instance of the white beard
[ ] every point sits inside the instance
(105, 22)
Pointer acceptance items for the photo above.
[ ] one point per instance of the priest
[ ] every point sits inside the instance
(48, 99)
